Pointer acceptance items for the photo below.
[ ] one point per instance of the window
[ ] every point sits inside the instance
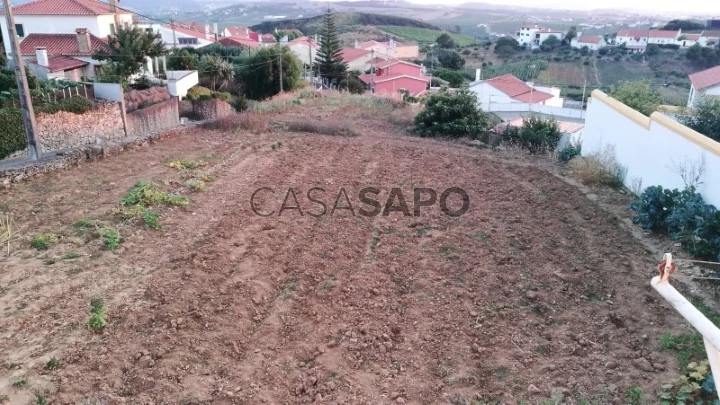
(187, 41)
(20, 30)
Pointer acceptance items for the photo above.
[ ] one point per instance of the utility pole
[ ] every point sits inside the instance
(281, 74)
(25, 100)
(172, 25)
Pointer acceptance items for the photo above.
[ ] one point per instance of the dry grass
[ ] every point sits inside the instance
(321, 128)
(250, 121)
(8, 231)
(600, 168)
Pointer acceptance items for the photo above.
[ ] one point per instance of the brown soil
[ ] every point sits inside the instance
(535, 290)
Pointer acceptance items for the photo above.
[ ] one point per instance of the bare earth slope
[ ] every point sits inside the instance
(534, 291)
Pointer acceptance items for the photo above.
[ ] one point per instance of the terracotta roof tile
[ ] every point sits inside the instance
(193, 30)
(351, 54)
(633, 33)
(60, 44)
(268, 38)
(589, 39)
(59, 63)
(63, 7)
(230, 42)
(303, 41)
(663, 34)
(239, 32)
(691, 37)
(517, 89)
(706, 78)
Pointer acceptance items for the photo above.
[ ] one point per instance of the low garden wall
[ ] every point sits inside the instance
(212, 109)
(154, 118)
(64, 130)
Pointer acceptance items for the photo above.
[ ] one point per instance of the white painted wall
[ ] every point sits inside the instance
(648, 151)
(66, 24)
(170, 41)
(593, 47)
(556, 101)
(536, 108)
(180, 81)
(696, 97)
(487, 94)
(630, 41)
(304, 53)
(108, 91)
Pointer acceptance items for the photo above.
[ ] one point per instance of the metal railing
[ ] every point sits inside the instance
(710, 332)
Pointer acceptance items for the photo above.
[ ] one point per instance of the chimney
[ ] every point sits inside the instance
(83, 39)
(357, 45)
(477, 75)
(41, 56)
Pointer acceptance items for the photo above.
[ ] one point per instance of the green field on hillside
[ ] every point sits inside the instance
(424, 35)
(525, 70)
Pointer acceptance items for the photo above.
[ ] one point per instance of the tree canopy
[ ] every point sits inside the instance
(218, 69)
(685, 25)
(550, 43)
(329, 61)
(451, 115)
(453, 77)
(450, 59)
(703, 57)
(445, 41)
(261, 75)
(637, 95)
(705, 119)
(506, 46)
(128, 49)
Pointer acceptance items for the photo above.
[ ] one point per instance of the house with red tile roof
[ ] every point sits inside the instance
(237, 32)
(634, 39)
(235, 42)
(304, 48)
(392, 75)
(360, 59)
(709, 38)
(67, 56)
(592, 42)
(62, 17)
(534, 35)
(182, 34)
(508, 89)
(688, 40)
(663, 37)
(704, 84)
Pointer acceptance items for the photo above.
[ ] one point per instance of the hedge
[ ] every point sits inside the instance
(12, 132)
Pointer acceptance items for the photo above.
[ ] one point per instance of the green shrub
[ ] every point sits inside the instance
(353, 85)
(205, 97)
(653, 207)
(570, 151)
(194, 93)
(224, 96)
(142, 83)
(12, 132)
(536, 135)
(43, 241)
(240, 104)
(97, 314)
(451, 115)
(111, 237)
(74, 104)
(452, 77)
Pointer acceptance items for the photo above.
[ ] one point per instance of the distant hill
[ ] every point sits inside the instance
(343, 22)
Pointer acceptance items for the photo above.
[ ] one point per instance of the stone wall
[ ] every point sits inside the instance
(64, 130)
(212, 109)
(155, 118)
(134, 99)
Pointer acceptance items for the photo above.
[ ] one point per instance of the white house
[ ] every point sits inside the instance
(63, 17)
(704, 84)
(508, 89)
(592, 42)
(709, 38)
(633, 39)
(182, 35)
(663, 37)
(688, 40)
(360, 59)
(67, 56)
(304, 48)
(535, 35)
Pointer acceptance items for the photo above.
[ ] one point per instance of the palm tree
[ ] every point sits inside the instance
(218, 69)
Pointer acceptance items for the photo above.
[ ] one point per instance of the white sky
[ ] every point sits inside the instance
(709, 7)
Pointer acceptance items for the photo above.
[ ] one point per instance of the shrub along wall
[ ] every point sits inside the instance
(12, 132)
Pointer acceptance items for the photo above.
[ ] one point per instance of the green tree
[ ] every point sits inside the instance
(182, 59)
(652, 49)
(217, 69)
(685, 25)
(572, 33)
(451, 115)
(128, 49)
(450, 59)
(329, 60)
(637, 95)
(353, 84)
(261, 76)
(705, 119)
(453, 77)
(703, 57)
(445, 41)
(506, 47)
(550, 44)
(536, 135)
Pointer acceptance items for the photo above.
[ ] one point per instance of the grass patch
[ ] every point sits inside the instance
(97, 314)
(53, 364)
(276, 145)
(634, 396)
(426, 35)
(600, 168)
(542, 350)
(689, 347)
(195, 185)
(70, 255)
(206, 177)
(83, 223)
(20, 383)
(185, 163)
(136, 203)
(321, 128)
(111, 237)
(43, 241)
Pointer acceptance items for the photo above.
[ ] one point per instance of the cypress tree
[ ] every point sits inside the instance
(328, 60)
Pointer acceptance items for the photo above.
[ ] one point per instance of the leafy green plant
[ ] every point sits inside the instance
(634, 396)
(653, 207)
(111, 236)
(151, 218)
(43, 241)
(194, 93)
(83, 223)
(12, 136)
(185, 163)
(276, 145)
(241, 104)
(97, 314)
(570, 151)
(53, 364)
(20, 383)
(195, 185)
(70, 256)
(40, 399)
(689, 387)
(451, 115)
(537, 135)
(206, 177)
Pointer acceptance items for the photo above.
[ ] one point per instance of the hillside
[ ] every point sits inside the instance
(343, 21)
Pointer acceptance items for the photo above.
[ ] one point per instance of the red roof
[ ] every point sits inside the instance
(239, 32)
(368, 77)
(589, 39)
(706, 78)
(692, 37)
(633, 33)
(64, 7)
(393, 61)
(303, 41)
(351, 54)
(59, 63)
(194, 30)
(60, 44)
(370, 44)
(710, 34)
(517, 89)
(230, 42)
(663, 34)
(268, 38)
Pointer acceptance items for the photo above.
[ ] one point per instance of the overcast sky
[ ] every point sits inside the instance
(711, 7)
